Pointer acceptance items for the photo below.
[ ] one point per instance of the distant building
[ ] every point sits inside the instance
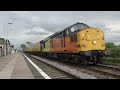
(13, 50)
(9, 47)
(2, 47)
(5, 47)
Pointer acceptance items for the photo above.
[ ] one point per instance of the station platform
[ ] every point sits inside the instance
(14, 66)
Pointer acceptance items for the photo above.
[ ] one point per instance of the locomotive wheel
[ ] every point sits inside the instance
(101, 60)
(60, 57)
(95, 60)
(83, 61)
(76, 60)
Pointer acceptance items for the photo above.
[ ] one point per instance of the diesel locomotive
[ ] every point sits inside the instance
(77, 43)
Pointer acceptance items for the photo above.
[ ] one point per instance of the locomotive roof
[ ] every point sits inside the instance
(62, 30)
(69, 27)
(74, 24)
(66, 28)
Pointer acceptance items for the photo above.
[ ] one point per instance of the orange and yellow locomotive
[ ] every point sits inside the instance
(77, 43)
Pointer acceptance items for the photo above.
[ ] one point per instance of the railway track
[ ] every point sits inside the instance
(105, 72)
(51, 71)
(109, 67)
(99, 71)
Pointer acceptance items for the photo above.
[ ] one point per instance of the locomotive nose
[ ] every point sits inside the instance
(91, 39)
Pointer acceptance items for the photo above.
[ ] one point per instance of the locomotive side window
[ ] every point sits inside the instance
(60, 35)
(67, 32)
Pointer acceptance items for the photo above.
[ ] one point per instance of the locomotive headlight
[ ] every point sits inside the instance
(94, 42)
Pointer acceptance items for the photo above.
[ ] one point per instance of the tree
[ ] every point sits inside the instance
(110, 45)
(30, 44)
(114, 50)
(23, 46)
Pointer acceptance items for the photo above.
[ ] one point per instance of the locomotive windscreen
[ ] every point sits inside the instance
(79, 26)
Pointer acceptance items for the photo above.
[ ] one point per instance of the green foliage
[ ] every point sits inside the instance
(111, 46)
(23, 46)
(114, 50)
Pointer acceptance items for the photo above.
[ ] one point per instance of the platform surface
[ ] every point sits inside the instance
(14, 66)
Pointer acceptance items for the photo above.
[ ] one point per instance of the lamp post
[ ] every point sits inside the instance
(4, 41)
(7, 30)
(7, 46)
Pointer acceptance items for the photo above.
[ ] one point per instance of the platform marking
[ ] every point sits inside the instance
(39, 70)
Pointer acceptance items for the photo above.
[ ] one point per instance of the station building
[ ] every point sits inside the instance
(5, 47)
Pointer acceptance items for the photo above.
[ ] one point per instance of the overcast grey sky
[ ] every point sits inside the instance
(36, 25)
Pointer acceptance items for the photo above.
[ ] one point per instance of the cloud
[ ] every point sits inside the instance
(35, 18)
(20, 13)
(37, 31)
(117, 43)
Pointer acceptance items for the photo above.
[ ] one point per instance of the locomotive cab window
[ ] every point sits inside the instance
(74, 28)
(79, 26)
(82, 26)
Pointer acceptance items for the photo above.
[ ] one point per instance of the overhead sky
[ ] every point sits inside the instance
(34, 26)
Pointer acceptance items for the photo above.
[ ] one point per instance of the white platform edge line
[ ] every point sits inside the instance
(38, 69)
